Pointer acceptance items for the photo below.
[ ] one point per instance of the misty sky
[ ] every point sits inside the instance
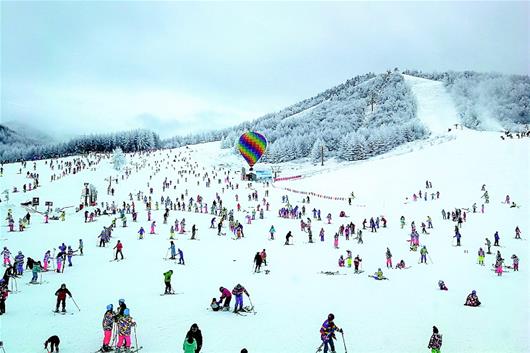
(176, 68)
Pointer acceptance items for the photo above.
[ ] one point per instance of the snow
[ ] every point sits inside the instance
(436, 109)
(294, 299)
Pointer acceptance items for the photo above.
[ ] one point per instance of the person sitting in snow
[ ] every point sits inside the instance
(441, 285)
(472, 299)
(378, 275)
(214, 305)
(401, 265)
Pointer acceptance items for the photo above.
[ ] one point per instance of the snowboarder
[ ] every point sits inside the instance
(61, 298)
(435, 343)
(167, 282)
(238, 292)
(195, 333)
(327, 333)
(54, 342)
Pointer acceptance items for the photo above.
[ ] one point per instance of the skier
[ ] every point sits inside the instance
(515, 262)
(327, 333)
(121, 308)
(258, 261)
(181, 257)
(153, 226)
(401, 264)
(423, 254)
(19, 263)
(435, 343)
(227, 296)
(238, 292)
(496, 237)
(61, 297)
(517, 233)
(214, 305)
(481, 256)
(4, 292)
(54, 342)
(107, 323)
(488, 244)
(7, 256)
(70, 253)
(118, 248)
(472, 299)
(264, 257)
(141, 233)
(356, 263)
(457, 236)
(125, 322)
(172, 232)
(173, 250)
(167, 282)
(388, 255)
(80, 247)
(498, 264)
(195, 333)
(378, 275)
(341, 261)
(35, 271)
(288, 237)
(193, 231)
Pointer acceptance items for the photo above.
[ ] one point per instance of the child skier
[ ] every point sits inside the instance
(167, 282)
(125, 323)
(61, 297)
(238, 292)
(327, 333)
(107, 323)
(435, 343)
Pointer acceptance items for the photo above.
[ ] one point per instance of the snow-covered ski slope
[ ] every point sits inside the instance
(435, 106)
(294, 299)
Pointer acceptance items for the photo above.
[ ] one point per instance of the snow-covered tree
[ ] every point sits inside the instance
(118, 159)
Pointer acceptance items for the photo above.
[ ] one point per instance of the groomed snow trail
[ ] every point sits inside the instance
(436, 108)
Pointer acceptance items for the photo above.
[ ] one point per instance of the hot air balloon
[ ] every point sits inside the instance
(252, 145)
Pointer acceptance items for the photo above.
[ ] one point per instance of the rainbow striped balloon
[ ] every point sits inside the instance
(252, 145)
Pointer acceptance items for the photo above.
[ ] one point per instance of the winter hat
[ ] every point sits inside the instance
(474, 292)
(126, 312)
(109, 307)
(121, 301)
(331, 317)
(435, 329)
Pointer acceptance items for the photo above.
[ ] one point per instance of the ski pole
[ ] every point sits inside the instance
(167, 252)
(250, 300)
(135, 337)
(430, 259)
(75, 303)
(343, 341)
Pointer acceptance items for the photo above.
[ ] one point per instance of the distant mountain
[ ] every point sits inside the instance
(29, 132)
(9, 137)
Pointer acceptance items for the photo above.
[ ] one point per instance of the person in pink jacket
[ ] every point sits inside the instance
(227, 296)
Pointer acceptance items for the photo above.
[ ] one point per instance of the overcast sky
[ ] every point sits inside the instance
(177, 68)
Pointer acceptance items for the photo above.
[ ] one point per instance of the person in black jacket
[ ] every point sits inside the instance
(54, 342)
(258, 260)
(195, 333)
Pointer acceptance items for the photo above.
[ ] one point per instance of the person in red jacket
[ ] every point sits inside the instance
(118, 248)
(61, 297)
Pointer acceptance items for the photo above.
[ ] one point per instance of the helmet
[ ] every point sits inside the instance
(221, 289)
(474, 292)
(331, 317)
(20, 252)
(121, 301)
(126, 312)
(109, 307)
